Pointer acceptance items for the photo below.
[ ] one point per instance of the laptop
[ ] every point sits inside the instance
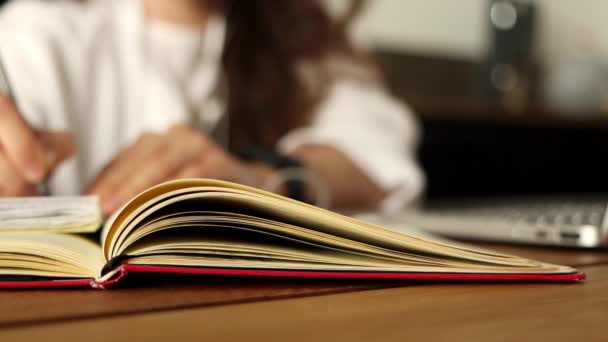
(538, 184)
(569, 221)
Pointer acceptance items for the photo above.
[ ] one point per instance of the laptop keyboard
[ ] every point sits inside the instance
(535, 212)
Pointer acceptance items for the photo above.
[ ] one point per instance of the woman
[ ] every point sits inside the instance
(152, 90)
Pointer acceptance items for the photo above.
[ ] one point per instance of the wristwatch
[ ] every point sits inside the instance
(296, 187)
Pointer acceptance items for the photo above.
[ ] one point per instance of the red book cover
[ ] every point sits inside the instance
(126, 270)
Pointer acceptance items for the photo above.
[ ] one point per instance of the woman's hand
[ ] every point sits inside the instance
(182, 152)
(27, 156)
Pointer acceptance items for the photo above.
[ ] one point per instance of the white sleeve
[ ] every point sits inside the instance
(34, 38)
(22, 58)
(376, 132)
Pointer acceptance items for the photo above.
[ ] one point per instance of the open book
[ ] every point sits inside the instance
(208, 227)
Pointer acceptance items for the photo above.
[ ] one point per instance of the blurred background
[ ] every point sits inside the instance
(512, 95)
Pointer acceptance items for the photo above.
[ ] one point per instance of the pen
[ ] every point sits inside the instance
(6, 89)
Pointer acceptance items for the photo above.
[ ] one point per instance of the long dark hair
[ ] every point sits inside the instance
(267, 43)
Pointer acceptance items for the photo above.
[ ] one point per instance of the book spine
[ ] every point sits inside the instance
(109, 279)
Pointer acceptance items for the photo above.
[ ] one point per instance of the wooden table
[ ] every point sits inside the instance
(224, 309)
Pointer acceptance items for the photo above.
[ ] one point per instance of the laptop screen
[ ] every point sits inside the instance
(463, 159)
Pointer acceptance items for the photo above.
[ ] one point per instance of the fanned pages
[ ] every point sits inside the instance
(205, 226)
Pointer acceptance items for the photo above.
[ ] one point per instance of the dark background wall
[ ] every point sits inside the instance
(473, 146)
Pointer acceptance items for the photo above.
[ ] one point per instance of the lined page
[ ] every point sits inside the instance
(78, 214)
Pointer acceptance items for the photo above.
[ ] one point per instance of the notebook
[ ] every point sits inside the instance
(215, 228)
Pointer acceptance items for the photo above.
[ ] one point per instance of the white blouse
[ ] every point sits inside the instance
(102, 72)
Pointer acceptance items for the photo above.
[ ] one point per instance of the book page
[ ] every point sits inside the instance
(280, 216)
(49, 255)
(224, 246)
(80, 214)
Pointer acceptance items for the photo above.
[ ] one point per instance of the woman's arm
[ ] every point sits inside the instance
(347, 185)
(183, 152)
(362, 143)
(361, 146)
